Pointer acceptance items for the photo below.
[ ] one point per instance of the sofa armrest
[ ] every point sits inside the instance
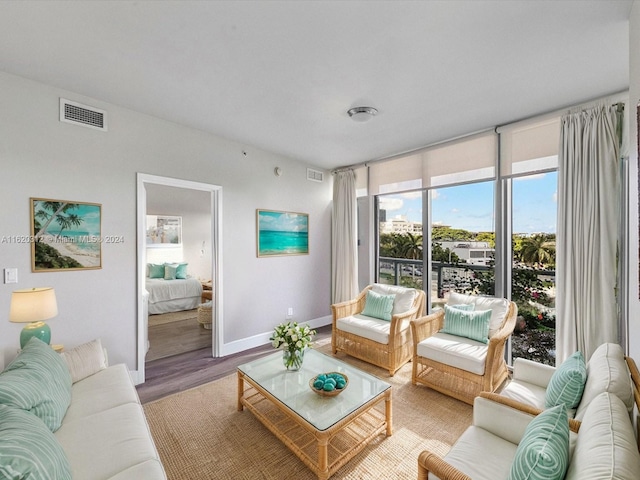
(425, 327)
(532, 372)
(499, 419)
(430, 462)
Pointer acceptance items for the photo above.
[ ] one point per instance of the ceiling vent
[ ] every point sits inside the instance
(78, 114)
(314, 175)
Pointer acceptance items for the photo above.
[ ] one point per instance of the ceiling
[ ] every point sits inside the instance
(281, 75)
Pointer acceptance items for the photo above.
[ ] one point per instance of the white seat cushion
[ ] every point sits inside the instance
(526, 393)
(367, 327)
(498, 306)
(457, 352)
(404, 296)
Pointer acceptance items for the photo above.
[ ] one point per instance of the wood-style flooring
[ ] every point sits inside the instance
(169, 339)
(176, 373)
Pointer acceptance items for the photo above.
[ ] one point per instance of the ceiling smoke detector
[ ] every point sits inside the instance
(362, 114)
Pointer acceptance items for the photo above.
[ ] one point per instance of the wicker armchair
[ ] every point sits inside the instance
(385, 344)
(457, 366)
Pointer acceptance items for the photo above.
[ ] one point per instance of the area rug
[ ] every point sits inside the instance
(200, 434)
(171, 317)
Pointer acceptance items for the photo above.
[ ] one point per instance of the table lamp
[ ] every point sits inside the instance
(32, 306)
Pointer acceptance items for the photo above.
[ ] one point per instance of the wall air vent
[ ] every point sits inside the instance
(78, 114)
(314, 175)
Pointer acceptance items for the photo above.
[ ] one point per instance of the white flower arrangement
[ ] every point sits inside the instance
(291, 336)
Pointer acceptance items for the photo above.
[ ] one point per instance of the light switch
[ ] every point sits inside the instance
(10, 275)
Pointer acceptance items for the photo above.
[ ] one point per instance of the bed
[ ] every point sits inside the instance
(173, 295)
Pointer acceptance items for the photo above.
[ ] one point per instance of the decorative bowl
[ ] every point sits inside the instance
(330, 393)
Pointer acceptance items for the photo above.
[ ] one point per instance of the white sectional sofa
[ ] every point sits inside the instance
(94, 429)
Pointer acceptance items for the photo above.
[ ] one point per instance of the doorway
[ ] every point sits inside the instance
(173, 196)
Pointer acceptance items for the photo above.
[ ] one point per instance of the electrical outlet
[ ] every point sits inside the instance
(10, 275)
(290, 312)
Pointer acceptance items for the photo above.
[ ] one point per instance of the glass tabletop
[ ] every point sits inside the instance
(292, 388)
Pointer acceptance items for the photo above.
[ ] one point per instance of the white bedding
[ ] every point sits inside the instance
(173, 295)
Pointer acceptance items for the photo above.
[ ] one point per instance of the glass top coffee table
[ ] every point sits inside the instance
(324, 432)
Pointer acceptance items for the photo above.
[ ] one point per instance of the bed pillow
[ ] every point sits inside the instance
(28, 449)
(170, 270)
(181, 271)
(38, 381)
(156, 270)
(378, 306)
(468, 324)
(567, 382)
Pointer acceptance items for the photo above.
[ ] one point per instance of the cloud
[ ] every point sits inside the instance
(435, 194)
(555, 197)
(391, 203)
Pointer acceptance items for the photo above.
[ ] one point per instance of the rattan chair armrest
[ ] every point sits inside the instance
(350, 307)
(426, 326)
(430, 462)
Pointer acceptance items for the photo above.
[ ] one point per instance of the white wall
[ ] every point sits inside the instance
(43, 157)
(634, 265)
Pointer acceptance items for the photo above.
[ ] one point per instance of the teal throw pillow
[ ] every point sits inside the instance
(473, 325)
(378, 306)
(567, 383)
(170, 271)
(156, 270)
(28, 449)
(465, 307)
(543, 451)
(38, 381)
(181, 271)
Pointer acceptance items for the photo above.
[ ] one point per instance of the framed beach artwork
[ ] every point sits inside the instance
(282, 233)
(65, 235)
(164, 231)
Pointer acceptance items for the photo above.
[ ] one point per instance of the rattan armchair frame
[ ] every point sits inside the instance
(390, 356)
(455, 382)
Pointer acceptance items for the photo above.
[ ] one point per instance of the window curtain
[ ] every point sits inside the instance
(587, 236)
(344, 237)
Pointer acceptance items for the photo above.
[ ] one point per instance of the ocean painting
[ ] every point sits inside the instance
(282, 233)
(66, 235)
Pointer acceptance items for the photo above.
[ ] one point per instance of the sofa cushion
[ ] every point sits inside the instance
(543, 451)
(567, 383)
(607, 371)
(457, 352)
(379, 306)
(38, 381)
(606, 447)
(404, 296)
(367, 327)
(85, 360)
(469, 324)
(499, 307)
(524, 392)
(28, 449)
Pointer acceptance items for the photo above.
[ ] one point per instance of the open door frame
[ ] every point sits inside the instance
(216, 257)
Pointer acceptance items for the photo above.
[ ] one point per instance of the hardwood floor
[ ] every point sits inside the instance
(176, 373)
(169, 339)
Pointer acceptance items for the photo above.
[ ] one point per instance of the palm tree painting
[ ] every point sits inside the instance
(65, 235)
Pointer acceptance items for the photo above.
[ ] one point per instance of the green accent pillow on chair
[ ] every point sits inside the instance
(28, 449)
(378, 306)
(567, 383)
(543, 451)
(472, 324)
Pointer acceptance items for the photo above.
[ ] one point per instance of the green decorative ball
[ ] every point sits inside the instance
(318, 384)
(329, 387)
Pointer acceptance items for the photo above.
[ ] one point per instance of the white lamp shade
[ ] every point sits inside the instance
(33, 305)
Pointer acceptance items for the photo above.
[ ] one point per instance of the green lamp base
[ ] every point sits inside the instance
(35, 329)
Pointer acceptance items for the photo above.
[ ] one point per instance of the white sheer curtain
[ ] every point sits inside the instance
(344, 237)
(587, 237)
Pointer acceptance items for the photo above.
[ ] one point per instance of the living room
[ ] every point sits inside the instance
(43, 157)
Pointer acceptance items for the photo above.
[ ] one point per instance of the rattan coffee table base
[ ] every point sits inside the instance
(324, 452)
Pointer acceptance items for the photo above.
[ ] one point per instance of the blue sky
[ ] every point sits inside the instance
(470, 207)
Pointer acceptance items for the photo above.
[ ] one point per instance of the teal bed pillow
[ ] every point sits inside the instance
(566, 385)
(156, 270)
(468, 324)
(181, 271)
(38, 381)
(378, 306)
(28, 449)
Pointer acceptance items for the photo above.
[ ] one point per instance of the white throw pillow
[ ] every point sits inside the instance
(85, 360)
(404, 296)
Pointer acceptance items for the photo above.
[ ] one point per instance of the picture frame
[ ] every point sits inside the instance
(280, 233)
(65, 235)
(164, 231)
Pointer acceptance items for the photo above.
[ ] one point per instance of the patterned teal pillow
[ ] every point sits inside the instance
(38, 381)
(181, 271)
(156, 270)
(28, 449)
(543, 451)
(567, 383)
(473, 325)
(378, 306)
(170, 270)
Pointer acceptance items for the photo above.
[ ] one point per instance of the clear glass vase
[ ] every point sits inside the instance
(292, 359)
